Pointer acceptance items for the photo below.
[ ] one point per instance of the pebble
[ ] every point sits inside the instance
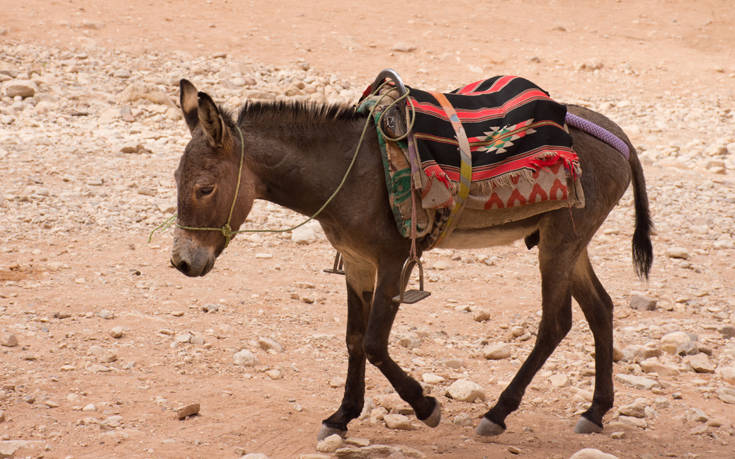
(642, 303)
(403, 47)
(117, 332)
(254, 456)
(245, 358)
(653, 365)
(727, 374)
(636, 409)
(187, 410)
(678, 342)
(481, 315)
(2, 416)
(466, 391)
(617, 435)
(106, 314)
(8, 340)
(726, 394)
(677, 252)
(559, 380)
(20, 88)
(591, 453)
(330, 444)
(431, 378)
(496, 351)
(700, 363)
(307, 234)
(269, 344)
(89, 407)
(639, 382)
(111, 422)
(397, 422)
(727, 331)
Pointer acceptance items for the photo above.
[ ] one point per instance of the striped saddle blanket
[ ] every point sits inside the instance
(522, 157)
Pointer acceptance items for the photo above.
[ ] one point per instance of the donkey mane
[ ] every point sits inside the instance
(296, 113)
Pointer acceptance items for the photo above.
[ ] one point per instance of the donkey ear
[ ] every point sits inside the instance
(211, 120)
(189, 104)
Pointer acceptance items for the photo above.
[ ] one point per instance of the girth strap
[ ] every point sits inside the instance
(465, 169)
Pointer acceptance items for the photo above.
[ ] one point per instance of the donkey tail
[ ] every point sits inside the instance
(642, 248)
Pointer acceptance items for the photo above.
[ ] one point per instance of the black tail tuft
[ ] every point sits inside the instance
(642, 247)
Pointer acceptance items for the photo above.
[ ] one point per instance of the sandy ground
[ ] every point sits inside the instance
(62, 293)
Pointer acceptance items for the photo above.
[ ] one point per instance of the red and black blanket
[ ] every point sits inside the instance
(511, 124)
(522, 157)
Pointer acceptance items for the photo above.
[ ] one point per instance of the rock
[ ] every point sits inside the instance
(89, 407)
(466, 391)
(182, 338)
(117, 332)
(514, 450)
(138, 149)
(559, 380)
(397, 422)
(481, 315)
(330, 444)
(254, 456)
(274, 373)
(269, 344)
(496, 351)
(403, 47)
(726, 394)
(111, 422)
(677, 252)
(696, 415)
(308, 233)
(637, 409)
(591, 453)
(727, 374)
(639, 382)
(727, 331)
(138, 91)
(463, 419)
(245, 358)
(431, 378)
(410, 341)
(106, 314)
(355, 441)
(2, 416)
(678, 343)
(211, 307)
(642, 303)
(187, 410)
(8, 340)
(653, 365)
(314, 456)
(617, 435)
(22, 88)
(700, 363)
(453, 363)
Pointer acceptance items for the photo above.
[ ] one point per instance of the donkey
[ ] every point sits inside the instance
(295, 154)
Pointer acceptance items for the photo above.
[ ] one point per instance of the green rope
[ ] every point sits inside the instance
(226, 229)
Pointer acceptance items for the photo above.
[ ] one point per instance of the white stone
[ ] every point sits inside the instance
(310, 232)
(330, 444)
(639, 382)
(637, 409)
(727, 374)
(726, 394)
(497, 351)
(431, 378)
(559, 380)
(245, 358)
(117, 332)
(466, 391)
(269, 344)
(677, 342)
(642, 303)
(677, 252)
(591, 453)
(700, 363)
(20, 88)
(397, 422)
(8, 340)
(653, 365)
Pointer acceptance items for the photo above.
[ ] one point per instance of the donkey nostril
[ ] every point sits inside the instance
(183, 267)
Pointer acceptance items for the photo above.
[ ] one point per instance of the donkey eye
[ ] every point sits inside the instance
(204, 191)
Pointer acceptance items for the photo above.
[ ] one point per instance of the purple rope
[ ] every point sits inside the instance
(599, 132)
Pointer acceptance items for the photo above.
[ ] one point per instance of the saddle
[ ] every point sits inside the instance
(488, 153)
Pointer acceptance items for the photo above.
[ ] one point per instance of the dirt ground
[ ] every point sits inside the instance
(71, 389)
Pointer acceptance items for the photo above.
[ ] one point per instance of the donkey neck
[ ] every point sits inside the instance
(299, 166)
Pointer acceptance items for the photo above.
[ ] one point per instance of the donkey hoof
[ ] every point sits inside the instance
(435, 416)
(326, 431)
(488, 428)
(585, 426)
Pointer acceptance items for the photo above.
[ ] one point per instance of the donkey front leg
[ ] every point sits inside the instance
(382, 314)
(360, 283)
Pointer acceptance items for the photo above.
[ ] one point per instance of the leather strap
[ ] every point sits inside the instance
(465, 169)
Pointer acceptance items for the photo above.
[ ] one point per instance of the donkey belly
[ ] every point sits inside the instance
(487, 237)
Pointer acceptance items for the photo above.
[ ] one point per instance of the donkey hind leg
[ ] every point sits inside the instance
(360, 283)
(598, 309)
(382, 314)
(556, 320)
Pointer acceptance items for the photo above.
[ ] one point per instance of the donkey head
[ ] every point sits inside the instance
(206, 182)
